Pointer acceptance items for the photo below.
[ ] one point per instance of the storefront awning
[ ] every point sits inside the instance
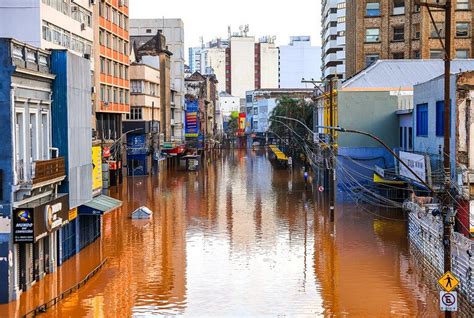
(379, 179)
(99, 205)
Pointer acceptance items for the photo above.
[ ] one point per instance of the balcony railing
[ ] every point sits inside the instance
(40, 172)
(46, 170)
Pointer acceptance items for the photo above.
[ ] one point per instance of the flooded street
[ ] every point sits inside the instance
(242, 238)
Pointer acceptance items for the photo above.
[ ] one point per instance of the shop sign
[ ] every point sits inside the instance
(50, 216)
(416, 162)
(97, 168)
(72, 214)
(106, 152)
(23, 226)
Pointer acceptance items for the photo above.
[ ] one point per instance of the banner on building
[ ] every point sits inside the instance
(136, 144)
(241, 123)
(416, 162)
(96, 168)
(191, 118)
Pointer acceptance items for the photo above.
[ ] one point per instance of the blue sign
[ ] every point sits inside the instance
(191, 118)
(136, 144)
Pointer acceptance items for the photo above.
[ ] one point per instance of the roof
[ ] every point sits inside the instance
(396, 74)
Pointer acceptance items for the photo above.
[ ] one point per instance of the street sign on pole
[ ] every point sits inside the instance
(448, 301)
(448, 281)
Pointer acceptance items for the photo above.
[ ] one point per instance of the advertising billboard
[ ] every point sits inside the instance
(191, 118)
(96, 168)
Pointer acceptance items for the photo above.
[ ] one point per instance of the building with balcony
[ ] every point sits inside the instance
(142, 31)
(398, 29)
(299, 60)
(30, 170)
(112, 84)
(333, 34)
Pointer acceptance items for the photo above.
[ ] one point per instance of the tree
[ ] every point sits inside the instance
(294, 108)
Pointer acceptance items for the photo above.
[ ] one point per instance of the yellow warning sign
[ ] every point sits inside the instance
(448, 281)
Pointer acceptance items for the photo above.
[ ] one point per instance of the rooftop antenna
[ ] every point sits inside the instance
(246, 29)
(201, 39)
(229, 31)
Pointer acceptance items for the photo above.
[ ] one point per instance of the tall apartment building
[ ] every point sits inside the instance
(112, 65)
(210, 60)
(250, 65)
(398, 29)
(333, 25)
(50, 24)
(142, 31)
(298, 60)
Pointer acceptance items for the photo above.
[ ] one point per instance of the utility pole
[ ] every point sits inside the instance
(447, 203)
(332, 173)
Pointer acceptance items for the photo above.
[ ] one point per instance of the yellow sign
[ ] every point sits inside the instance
(72, 214)
(448, 281)
(96, 168)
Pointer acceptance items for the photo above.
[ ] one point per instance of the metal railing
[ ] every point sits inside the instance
(44, 307)
(45, 170)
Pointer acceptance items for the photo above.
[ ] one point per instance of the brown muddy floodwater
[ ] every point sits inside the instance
(242, 238)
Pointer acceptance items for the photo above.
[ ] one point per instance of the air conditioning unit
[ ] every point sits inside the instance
(54, 153)
(87, 56)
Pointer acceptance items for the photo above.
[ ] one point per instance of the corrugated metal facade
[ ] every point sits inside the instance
(426, 234)
(71, 122)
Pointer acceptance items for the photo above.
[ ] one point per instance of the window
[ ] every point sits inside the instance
(102, 65)
(401, 137)
(107, 39)
(440, 118)
(462, 5)
(416, 54)
(436, 54)
(410, 138)
(440, 27)
(398, 55)
(136, 86)
(121, 96)
(398, 33)
(46, 32)
(372, 35)
(398, 7)
(101, 37)
(115, 95)
(462, 54)
(102, 93)
(341, 5)
(462, 29)
(107, 12)
(405, 136)
(416, 31)
(422, 120)
(372, 9)
(371, 59)
(333, 24)
(341, 19)
(136, 113)
(333, 10)
(148, 31)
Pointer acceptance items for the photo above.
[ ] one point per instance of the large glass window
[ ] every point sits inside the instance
(372, 35)
(372, 9)
(462, 53)
(422, 120)
(436, 54)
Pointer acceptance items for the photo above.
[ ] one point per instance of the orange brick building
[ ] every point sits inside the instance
(112, 96)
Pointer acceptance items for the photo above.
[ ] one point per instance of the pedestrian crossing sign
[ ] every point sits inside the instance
(448, 281)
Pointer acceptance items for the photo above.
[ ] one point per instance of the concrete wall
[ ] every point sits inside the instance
(21, 19)
(372, 112)
(214, 59)
(268, 65)
(299, 60)
(242, 65)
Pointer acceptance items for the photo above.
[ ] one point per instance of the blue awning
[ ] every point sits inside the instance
(100, 205)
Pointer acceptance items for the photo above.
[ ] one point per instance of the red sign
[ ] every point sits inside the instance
(106, 152)
(113, 165)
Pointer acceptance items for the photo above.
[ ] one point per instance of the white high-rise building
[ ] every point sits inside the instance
(250, 65)
(333, 24)
(299, 60)
(49, 24)
(143, 30)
